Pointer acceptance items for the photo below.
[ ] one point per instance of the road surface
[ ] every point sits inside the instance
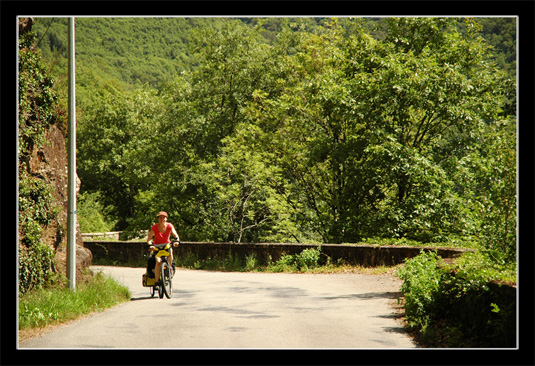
(232, 310)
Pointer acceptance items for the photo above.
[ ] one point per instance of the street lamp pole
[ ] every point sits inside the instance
(71, 185)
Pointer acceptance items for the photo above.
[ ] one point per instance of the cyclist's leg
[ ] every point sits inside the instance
(157, 269)
(171, 260)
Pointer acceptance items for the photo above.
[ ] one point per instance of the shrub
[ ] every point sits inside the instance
(457, 306)
(285, 263)
(421, 283)
(307, 259)
(36, 211)
(34, 266)
(251, 262)
(472, 300)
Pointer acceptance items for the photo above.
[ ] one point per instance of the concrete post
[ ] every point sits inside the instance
(71, 217)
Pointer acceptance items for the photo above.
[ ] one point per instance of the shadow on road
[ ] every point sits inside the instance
(147, 297)
(176, 294)
(369, 295)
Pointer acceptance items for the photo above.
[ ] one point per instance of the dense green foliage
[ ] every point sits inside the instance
(460, 306)
(92, 217)
(303, 130)
(38, 109)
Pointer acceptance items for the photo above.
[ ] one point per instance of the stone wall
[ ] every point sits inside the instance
(113, 235)
(365, 255)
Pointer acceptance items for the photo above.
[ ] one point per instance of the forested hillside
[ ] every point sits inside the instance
(132, 52)
(136, 51)
(328, 130)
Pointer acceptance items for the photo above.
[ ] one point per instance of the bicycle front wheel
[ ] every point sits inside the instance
(165, 278)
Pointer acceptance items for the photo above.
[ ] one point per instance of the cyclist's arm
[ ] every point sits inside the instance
(150, 236)
(173, 231)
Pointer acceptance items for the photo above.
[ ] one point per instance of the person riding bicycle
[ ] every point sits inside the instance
(161, 232)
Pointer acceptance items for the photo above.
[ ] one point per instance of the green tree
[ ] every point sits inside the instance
(232, 64)
(91, 214)
(429, 91)
(247, 192)
(318, 142)
(116, 156)
(320, 133)
(202, 114)
(489, 180)
(368, 130)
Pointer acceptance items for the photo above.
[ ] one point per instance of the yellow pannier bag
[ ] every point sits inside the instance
(163, 252)
(147, 281)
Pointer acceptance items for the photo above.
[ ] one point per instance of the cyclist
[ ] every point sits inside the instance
(161, 232)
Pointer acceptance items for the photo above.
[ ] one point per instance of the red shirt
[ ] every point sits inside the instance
(159, 237)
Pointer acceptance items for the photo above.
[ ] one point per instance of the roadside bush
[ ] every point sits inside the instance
(36, 212)
(460, 305)
(34, 266)
(285, 263)
(307, 259)
(251, 262)
(471, 299)
(421, 282)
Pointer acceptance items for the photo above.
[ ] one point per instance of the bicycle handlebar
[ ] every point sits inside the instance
(162, 245)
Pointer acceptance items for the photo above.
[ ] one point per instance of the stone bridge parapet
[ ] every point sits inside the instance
(364, 255)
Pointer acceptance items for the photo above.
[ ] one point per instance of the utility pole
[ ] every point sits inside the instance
(71, 184)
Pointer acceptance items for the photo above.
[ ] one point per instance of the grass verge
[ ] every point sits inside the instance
(55, 305)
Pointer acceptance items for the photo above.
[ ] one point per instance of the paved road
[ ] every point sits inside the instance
(217, 310)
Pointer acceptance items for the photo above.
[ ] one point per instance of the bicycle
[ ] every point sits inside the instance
(165, 285)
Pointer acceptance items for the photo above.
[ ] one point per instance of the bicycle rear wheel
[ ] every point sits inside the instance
(165, 278)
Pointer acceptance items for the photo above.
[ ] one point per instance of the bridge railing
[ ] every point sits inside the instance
(116, 235)
(365, 255)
